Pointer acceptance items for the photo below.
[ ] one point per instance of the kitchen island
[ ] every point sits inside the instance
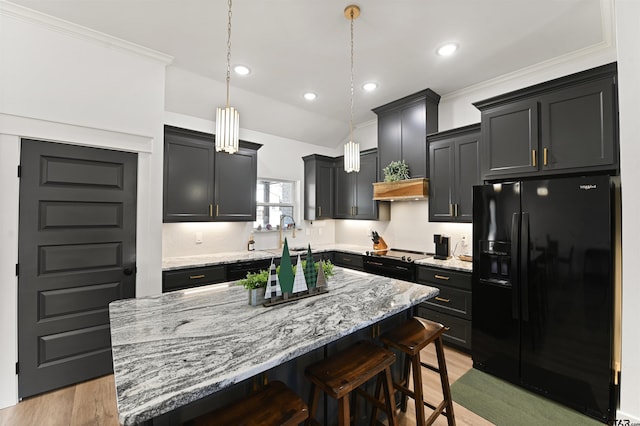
(171, 350)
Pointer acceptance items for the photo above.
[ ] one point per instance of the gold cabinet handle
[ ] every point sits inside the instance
(196, 277)
(441, 277)
(545, 155)
(441, 299)
(534, 158)
(455, 209)
(217, 210)
(319, 211)
(210, 209)
(450, 209)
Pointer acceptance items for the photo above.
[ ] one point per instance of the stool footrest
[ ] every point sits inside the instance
(430, 367)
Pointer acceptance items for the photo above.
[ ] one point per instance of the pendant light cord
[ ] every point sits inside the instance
(351, 118)
(229, 51)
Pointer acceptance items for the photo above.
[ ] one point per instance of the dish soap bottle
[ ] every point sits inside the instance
(251, 245)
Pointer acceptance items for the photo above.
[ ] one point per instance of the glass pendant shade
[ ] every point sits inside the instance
(227, 129)
(351, 157)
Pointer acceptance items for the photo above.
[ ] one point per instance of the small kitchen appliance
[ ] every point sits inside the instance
(442, 247)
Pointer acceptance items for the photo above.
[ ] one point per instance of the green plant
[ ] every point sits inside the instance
(395, 171)
(255, 280)
(259, 279)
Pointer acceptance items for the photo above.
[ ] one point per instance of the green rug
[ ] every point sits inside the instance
(505, 404)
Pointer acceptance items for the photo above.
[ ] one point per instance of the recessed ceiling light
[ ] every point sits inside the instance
(447, 49)
(370, 86)
(241, 70)
(310, 96)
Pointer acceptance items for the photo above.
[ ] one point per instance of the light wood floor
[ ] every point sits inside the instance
(94, 402)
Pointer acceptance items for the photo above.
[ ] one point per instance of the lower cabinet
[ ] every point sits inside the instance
(452, 307)
(192, 277)
(347, 260)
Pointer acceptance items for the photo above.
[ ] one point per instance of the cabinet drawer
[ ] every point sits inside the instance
(192, 277)
(452, 301)
(437, 276)
(346, 260)
(459, 333)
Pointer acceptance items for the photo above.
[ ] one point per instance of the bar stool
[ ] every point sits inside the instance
(273, 405)
(409, 338)
(342, 373)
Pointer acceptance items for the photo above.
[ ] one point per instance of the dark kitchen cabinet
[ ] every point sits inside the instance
(348, 260)
(452, 306)
(179, 279)
(566, 125)
(402, 128)
(202, 185)
(354, 191)
(235, 184)
(319, 183)
(453, 170)
(189, 159)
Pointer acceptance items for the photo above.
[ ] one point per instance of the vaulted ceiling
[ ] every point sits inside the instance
(295, 46)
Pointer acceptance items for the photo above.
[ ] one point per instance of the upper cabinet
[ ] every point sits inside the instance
(567, 125)
(319, 182)
(235, 184)
(354, 191)
(453, 170)
(402, 128)
(202, 185)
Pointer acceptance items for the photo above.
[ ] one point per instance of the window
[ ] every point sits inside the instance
(274, 199)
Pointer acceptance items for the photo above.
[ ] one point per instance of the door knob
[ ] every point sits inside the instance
(128, 271)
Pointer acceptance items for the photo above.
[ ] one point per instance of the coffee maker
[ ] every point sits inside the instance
(442, 246)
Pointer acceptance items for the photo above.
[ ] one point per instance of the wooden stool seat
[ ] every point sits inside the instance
(273, 405)
(410, 338)
(342, 373)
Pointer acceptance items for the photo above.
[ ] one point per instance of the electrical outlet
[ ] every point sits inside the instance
(198, 237)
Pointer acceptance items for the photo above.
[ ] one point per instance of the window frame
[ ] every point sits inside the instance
(293, 204)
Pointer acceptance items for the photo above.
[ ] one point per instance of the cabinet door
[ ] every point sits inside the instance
(389, 138)
(188, 176)
(324, 190)
(365, 207)
(414, 133)
(510, 139)
(235, 185)
(344, 191)
(467, 174)
(318, 187)
(578, 127)
(441, 180)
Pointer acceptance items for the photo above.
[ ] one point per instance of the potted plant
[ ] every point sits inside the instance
(395, 171)
(256, 282)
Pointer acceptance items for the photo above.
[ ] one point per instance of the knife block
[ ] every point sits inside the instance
(380, 247)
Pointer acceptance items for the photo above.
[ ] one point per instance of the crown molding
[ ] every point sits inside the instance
(13, 10)
(605, 47)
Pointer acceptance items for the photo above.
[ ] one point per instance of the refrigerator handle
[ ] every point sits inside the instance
(524, 265)
(513, 270)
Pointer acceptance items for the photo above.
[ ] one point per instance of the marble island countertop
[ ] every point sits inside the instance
(173, 263)
(173, 349)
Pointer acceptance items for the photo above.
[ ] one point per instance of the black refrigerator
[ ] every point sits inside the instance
(543, 288)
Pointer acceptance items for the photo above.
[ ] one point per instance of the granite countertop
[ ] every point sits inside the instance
(172, 263)
(451, 263)
(181, 262)
(173, 349)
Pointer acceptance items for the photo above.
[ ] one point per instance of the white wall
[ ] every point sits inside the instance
(64, 83)
(628, 36)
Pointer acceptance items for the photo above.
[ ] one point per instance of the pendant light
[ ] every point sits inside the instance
(228, 118)
(351, 149)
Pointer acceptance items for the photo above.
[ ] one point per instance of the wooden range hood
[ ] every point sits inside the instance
(402, 190)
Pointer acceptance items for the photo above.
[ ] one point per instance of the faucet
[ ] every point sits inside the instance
(281, 230)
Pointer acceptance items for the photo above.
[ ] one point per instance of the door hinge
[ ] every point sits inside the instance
(19, 170)
(17, 269)
(17, 367)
